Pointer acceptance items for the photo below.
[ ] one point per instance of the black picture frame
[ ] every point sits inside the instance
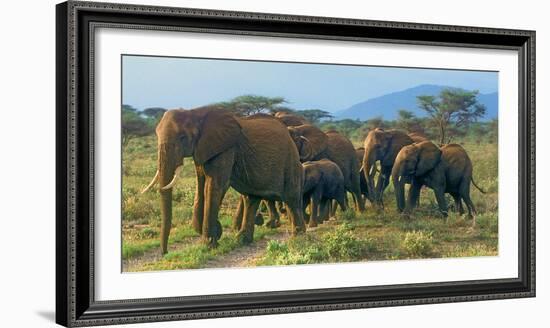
(75, 303)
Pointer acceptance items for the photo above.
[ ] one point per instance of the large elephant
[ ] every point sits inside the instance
(314, 144)
(227, 151)
(382, 145)
(445, 170)
(323, 182)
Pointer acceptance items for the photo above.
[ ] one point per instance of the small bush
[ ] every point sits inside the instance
(418, 243)
(342, 244)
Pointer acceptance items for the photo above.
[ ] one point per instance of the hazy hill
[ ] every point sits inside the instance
(387, 105)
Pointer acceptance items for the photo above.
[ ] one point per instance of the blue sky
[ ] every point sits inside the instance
(188, 82)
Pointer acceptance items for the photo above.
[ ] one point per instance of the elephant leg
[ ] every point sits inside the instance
(295, 215)
(281, 207)
(324, 208)
(314, 208)
(274, 219)
(441, 201)
(458, 203)
(471, 209)
(217, 179)
(198, 204)
(215, 188)
(356, 194)
(465, 194)
(238, 217)
(259, 217)
(341, 200)
(379, 187)
(412, 198)
(331, 208)
(246, 234)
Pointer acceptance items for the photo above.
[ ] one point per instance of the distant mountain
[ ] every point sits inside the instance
(386, 106)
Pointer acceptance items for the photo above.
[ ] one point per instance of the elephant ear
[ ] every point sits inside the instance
(386, 139)
(314, 142)
(429, 156)
(219, 131)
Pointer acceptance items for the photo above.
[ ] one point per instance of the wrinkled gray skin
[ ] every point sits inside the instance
(445, 170)
(274, 211)
(323, 182)
(227, 151)
(382, 146)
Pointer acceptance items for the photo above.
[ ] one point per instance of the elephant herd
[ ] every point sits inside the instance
(290, 164)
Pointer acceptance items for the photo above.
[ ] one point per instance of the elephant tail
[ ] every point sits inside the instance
(478, 188)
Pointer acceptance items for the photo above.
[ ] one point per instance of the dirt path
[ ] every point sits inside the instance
(246, 255)
(154, 255)
(240, 257)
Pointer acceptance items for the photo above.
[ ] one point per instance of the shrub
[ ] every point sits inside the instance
(342, 244)
(418, 243)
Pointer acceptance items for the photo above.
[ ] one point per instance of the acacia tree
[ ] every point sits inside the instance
(314, 115)
(253, 104)
(453, 108)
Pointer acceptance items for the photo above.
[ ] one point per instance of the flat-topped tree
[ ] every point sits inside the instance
(453, 108)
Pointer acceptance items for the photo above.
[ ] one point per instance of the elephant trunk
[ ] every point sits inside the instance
(399, 184)
(166, 167)
(369, 162)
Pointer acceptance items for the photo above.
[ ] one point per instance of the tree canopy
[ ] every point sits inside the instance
(253, 104)
(314, 115)
(154, 112)
(452, 109)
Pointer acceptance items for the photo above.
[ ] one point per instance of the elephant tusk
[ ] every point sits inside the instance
(306, 139)
(152, 183)
(173, 182)
(373, 170)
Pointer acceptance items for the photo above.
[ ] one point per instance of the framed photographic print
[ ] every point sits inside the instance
(214, 163)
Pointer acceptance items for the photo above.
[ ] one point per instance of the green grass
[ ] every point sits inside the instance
(369, 236)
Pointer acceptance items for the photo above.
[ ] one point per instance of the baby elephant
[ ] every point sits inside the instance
(445, 170)
(323, 182)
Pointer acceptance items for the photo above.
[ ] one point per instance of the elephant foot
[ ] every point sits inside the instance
(273, 224)
(298, 230)
(244, 237)
(213, 235)
(259, 219)
(210, 242)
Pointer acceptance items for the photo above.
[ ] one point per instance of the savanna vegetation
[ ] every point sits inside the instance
(376, 234)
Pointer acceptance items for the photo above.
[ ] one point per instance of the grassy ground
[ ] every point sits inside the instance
(373, 235)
